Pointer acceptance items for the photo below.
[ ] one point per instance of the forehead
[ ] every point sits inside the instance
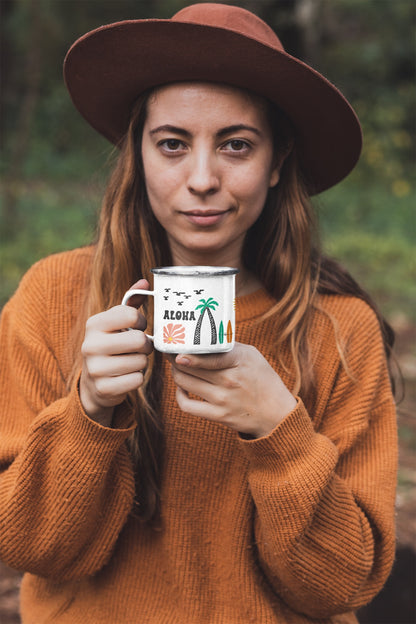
(197, 98)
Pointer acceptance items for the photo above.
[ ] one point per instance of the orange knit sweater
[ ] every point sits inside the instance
(294, 527)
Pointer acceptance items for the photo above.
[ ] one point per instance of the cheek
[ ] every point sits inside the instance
(251, 189)
(160, 182)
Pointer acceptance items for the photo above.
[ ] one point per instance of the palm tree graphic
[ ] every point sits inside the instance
(206, 305)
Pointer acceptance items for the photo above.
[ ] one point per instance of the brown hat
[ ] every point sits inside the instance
(106, 70)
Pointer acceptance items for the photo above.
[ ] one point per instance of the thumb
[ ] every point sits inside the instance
(210, 361)
(136, 300)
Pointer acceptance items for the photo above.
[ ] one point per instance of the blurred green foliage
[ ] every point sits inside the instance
(371, 231)
(54, 166)
(51, 218)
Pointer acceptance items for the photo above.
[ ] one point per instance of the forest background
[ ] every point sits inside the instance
(54, 166)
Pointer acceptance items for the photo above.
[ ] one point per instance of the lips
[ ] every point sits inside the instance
(205, 218)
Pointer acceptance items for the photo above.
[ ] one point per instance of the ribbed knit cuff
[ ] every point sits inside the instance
(291, 439)
(122, 425)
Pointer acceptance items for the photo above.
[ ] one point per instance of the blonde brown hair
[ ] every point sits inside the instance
(280, 248)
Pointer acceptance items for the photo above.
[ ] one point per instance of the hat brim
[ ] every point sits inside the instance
(107, 69)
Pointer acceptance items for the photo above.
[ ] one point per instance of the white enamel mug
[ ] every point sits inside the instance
(194, 308)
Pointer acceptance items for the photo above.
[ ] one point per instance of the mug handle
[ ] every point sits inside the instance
(137, 291)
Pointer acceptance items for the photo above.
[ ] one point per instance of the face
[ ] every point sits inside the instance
(208, 162)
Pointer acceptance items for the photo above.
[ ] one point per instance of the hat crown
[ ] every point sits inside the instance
(108, 68)
(230, 18)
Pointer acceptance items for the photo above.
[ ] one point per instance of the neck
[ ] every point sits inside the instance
(191, 257)
(246, 281)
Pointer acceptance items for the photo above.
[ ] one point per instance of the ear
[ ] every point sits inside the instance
(278, 161)
(274, 176)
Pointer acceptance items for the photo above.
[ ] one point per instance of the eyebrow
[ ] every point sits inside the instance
(223, 132)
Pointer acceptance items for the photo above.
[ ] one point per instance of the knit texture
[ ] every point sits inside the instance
(292, 528)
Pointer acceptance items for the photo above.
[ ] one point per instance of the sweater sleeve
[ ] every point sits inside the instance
(66, 483)
(323, 485)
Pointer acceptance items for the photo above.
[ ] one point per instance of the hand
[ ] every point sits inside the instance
(239, 389)
(113, 360)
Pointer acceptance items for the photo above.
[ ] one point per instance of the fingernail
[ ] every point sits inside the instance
(181, 359)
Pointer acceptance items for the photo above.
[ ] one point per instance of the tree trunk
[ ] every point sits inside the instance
(197, 335)
(213, 327)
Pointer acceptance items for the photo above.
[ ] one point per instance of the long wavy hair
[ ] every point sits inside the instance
(280, 248)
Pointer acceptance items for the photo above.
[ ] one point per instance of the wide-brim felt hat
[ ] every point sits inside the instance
(108, 68)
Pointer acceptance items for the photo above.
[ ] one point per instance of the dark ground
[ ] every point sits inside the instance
(396, 604)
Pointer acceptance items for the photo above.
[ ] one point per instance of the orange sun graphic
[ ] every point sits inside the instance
(174, 334)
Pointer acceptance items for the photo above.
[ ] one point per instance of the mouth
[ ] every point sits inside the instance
(205, 218)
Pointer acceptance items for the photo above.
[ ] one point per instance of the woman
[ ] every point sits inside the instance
(249, 486)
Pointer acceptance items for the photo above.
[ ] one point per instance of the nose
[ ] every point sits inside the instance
(204, 178)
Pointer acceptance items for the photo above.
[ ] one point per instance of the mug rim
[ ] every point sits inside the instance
(195, 270)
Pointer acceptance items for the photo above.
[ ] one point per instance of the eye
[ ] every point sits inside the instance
(237, 145)
(171, 145)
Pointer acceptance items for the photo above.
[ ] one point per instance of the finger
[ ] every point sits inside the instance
(134, 341)
(100, 343)
(210, 376)
(115, 366)
(212, 361)
(199, 387)
(197, 408)
(112, 390)
(116, 319)
(138, 321)
(213, 367)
